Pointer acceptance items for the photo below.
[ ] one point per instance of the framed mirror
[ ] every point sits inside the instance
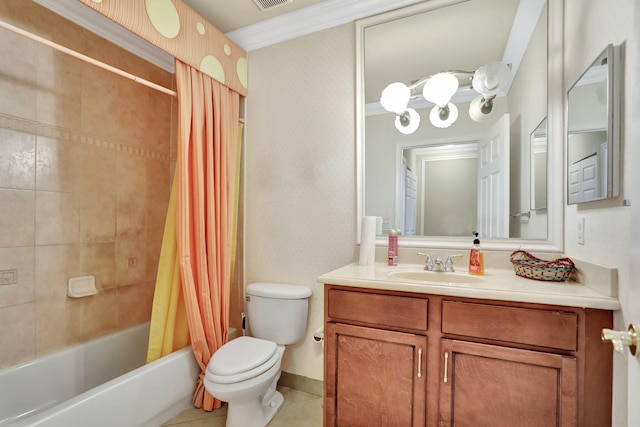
(593, 130)
(401, 176)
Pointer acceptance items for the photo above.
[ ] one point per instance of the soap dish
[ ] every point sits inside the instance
(83, 286)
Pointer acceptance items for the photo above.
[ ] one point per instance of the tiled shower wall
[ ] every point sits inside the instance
(85, 159)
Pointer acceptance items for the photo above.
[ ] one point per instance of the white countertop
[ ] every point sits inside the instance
(496, 284)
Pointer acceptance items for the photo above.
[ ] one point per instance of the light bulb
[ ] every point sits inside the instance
(440, 88)
(395, 97)
(443, 117)
(481, 109)
(489, 79)
(408, 122)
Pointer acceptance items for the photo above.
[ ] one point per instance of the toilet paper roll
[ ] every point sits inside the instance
(318, 335)
(368, 241)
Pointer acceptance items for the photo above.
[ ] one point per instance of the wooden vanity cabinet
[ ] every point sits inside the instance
(408, 359)
(490, 385)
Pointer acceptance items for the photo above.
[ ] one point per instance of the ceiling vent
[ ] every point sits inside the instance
(271, 4)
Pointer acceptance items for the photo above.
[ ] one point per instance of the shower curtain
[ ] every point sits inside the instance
(206, 193)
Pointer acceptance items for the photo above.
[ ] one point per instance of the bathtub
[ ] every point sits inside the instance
(103, 382)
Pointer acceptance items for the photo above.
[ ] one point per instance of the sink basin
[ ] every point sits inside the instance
(435, 276)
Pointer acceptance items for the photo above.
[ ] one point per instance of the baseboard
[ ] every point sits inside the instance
(300, 383)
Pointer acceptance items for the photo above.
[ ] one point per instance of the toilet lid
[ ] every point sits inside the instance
(242, 358)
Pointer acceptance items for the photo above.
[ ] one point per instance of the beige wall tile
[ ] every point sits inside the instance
(131, 197)
(100, 99)
(82, 185)
(134, 304)
(58, 324)
(17, 46)
(131, 219)
(59, 95)
(99, 313)
(98, 194)
(57, 218)
(17, 327)
(55, 265)
(57, 165)
(145, 106)
(17, 160)
(23, 261)
(99, 260)
(17, 216)
(98, 171)
(98, 218)
(132, 262)
(61, 322)
(19, 76)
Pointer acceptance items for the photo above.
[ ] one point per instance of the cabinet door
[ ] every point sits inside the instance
(487, 385)
(374, 377)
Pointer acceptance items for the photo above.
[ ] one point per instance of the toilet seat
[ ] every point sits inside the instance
(241, 359)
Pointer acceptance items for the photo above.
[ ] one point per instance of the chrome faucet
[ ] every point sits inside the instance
(438, 264)
(428, 262)
(448, 264)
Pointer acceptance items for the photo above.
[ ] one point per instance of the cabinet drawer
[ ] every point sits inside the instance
(380, 310)
(543, 328)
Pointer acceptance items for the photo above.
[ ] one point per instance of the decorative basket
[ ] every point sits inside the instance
(530, 267)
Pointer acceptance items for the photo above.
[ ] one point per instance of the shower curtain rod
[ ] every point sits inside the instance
(87, 59)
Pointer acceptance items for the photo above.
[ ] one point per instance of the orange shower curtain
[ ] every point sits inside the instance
(205, 210)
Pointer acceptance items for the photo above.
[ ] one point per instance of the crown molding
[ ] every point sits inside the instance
(320, 16)
(93, 21)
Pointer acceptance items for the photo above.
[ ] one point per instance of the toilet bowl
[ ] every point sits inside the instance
(249, 370)
(245, 372)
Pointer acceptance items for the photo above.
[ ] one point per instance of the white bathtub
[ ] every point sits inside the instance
(100, 383)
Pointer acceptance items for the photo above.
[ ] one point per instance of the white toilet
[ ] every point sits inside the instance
(244, 372)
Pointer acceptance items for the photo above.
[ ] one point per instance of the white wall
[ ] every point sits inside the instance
(589, 26)
(300, 173)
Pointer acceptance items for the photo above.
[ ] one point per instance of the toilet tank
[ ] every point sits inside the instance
(277, 311)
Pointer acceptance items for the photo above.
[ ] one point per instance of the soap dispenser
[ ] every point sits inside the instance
(476, 257)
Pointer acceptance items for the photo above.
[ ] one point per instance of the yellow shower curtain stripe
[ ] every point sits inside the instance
(169, 330)
(234, 239)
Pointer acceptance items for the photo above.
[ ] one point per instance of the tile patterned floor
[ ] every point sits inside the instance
(300, 409)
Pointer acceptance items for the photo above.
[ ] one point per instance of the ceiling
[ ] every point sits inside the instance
(228, 15)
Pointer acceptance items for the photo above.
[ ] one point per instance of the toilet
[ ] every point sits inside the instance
(245, 371)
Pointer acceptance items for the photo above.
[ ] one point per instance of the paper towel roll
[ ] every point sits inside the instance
(368, 241)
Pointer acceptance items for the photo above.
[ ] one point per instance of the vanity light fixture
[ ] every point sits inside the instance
(439, 88)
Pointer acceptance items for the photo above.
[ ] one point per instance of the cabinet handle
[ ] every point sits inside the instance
(446, 366)
(420, 363)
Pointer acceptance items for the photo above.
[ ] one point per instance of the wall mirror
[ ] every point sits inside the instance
(423, 168)
(593, 130)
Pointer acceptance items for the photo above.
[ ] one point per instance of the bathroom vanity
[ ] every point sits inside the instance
(502, 351)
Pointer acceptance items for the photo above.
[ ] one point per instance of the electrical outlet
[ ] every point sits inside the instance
(132, 262)
(580, 231)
